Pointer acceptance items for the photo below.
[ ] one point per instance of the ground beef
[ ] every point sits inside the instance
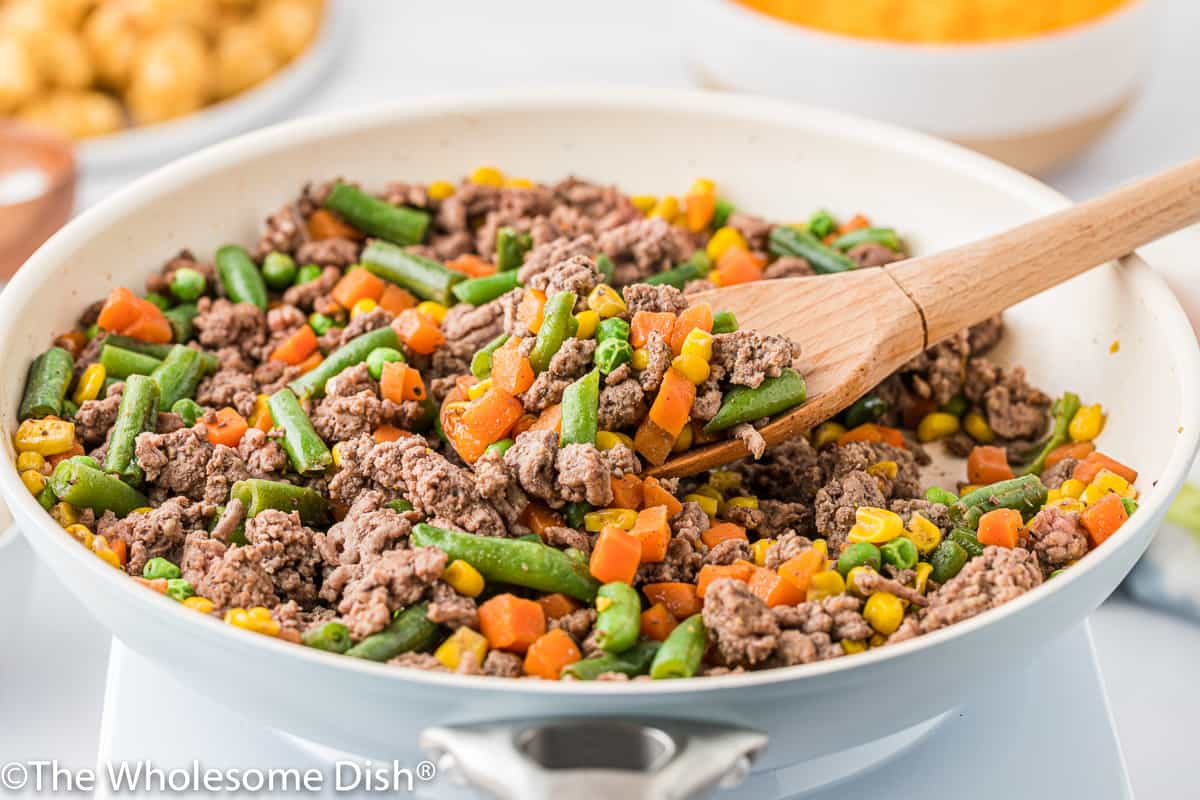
(223, 469)
(685, 551)
(781, 516)
(499, 487)
(333, 252)
(622, 405)
(423, 661)
(305, 295)
(531, 460)
(648, 297)
(175, 462)
(729, 551)
(708, 397)
(754, 230)
(786, 547)
(228, 387)
(622, 460)
(788, 267)
(937, 373)
(837, 460)
(642, 248)
(1015, 410)
(565, 538)
(95, 418)
(936, 513)
(438, 488)
(350, 407)
(741, 626)
(283, 231)
(372, 320)
(868, 582)
(232, 577)
(837, 501)
(395, 580)
(159, 533)
(468, 328)
(795, 648)
(584, 475)
(220, 323)
(544, 257)
(1053, 477)
(750, 518)
(872, 254)
(448, 607)
(500, 664)
(263, 455)
(659, 357)
(1057, 537)
(578, 623)
(748, 435)
(840, 617)
(788, 471)
(287, 554)
(987, 581)
(567, 365)
(986, 335)
(577, 274)
(369, 529)
(748, 357)
(231, 519)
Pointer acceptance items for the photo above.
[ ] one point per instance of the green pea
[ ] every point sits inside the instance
(936, 494)
(279, 270)
(1130, 505)
(612, 328)
(612, 353)
(179, 589)
(188, 284)
(160, 568)
(573, 514)
(319, 323)
(500, 447)
(46, 498)
(158, 300)
(721, 213)
(189, 410)
(865, 409)
(821, 224)
(724, 322)
(859, 554)
(92, 331)
(947, 560)
(309, 272)
(900, 552)
(606, 267)
(380, 356)
(956, 405)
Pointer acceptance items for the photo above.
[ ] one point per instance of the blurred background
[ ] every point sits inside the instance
(1083, 93)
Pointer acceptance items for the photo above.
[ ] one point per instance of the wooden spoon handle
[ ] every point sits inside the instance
(966, 285)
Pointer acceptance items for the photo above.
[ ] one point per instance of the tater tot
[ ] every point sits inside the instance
(289, 26)
(244, 58)
(111, 34)
(79, 115)
(62, 58)
(19, 81)
(154, 15)
(171, 76)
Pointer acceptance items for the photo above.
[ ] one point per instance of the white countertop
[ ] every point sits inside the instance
(52, 668)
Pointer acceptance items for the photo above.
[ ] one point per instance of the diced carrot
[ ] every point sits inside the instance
(394, 299)
(830, 238)
(987, 465)
(310, 363)
(627, 491)
(657, 623)
(798, 570)
(389, 433)
(523, 424)
(552, 651)
(1090, 467)
(723, 531)
(653, 443)
(615, 556)
(324, 224)
(653, 494)
(1001, 527)
(871, 432)
(854, 223)
(531, 309)
(72, 341)
(738, 570)
(697, 316)
(464, 441)
(654, 533)
(158, 584)
(472, 265)
(420, 333)
(463, 384)
(699, 208)
(511, 371)
(549, 420)
(400, 382)
(557, 605)
(492, 415)
(646, 321)
(228, 429)
(771, 587)
(537, 517)
(355, 285)
(673, 403)
(1102, 518)
(738, 265)
(119, 547)
(299, 346)
(76, 449)
(1076, 450)
(127, 314)
(679, 598)
(511, 623)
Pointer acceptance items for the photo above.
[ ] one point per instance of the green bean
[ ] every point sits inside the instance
(46, 384)
(399, 224)
(580, 410)
(967, 541)
(606, 267)
(258, 494)
(424, 277)
(355, 351)
(157, 351)
(530, 537)
(859, 554)
(788, 241)
(158, 300)
(956, 405)
(70, 409)
(900, 553)
(612, 353)
(511, 248)
(947, 560)
(187, 284)
(612, 328)
(691, 270)
(120, 364)
(743, 404)
(680, 654)
(380, 356)
(87, 460)
(556, 329)
(411, 630)
(240, 276)
(400, 505)
(936, 494)
(180, 317)
(500, 447)
(279, 270)
(332, 637)
(721, 213)
(633, 662)
(866, 409)
(574, 512)
(178, 376)
(46, 498)
(884, 236)
(478, 291)
(189, 411)
(528, 564)
(724, 322)
(159, 567)
(1063, 410)
(137, 414)
(307, 274)
(86, 487)
(1026, 494)
(481, 362)
(618, 617)
(304, 447)
(821, 223)
(179, 590)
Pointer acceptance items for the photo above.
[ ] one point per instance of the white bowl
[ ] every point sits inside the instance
(1030, 102)
(773, 158)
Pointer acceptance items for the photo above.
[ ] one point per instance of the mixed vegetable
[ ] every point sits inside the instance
(412, 427)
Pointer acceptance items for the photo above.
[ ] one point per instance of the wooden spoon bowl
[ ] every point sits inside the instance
(25, 224)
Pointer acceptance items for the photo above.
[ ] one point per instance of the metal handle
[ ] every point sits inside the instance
(610, 757)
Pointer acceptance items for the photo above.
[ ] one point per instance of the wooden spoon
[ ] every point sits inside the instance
(856, 328)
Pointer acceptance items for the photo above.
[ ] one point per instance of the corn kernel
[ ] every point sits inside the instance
(435, 311)
(875, 525)
(90, 383)
(488, 176)
(81, 534)
(64, 514)
(937, 425)
(725, 479)
(336, 452)
(745, 501)
(1053, 496)
(708, 490)
(684, 440)
(257, 619)
(1107, 481)
(1072, 487)
(363, 306)
(588, 320)
(640, 359)
(198, 603)
(261, 410)
(666, 208)
(695, 369)
(46, 437)
(884, 611)
(722, 240)
(142, 510)
(923, 533)
(518, 183)
(708, 504)
(978, 428)
(699, 344)
(607, 440)
(462, 642)
(702, 186)
(759, 550)
(878, 640)
(440, 190)
(825, 584)
(109, 556)
(30, 460)
(921, 581)
(644, 203)
(464, 578)
(623, 518)
(883, 469)
(826, 433)
(1087, 423)
(606, 301)
(480, 389)
(822, 545)
(34, 481)
(850, 646)
(1068, 504)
